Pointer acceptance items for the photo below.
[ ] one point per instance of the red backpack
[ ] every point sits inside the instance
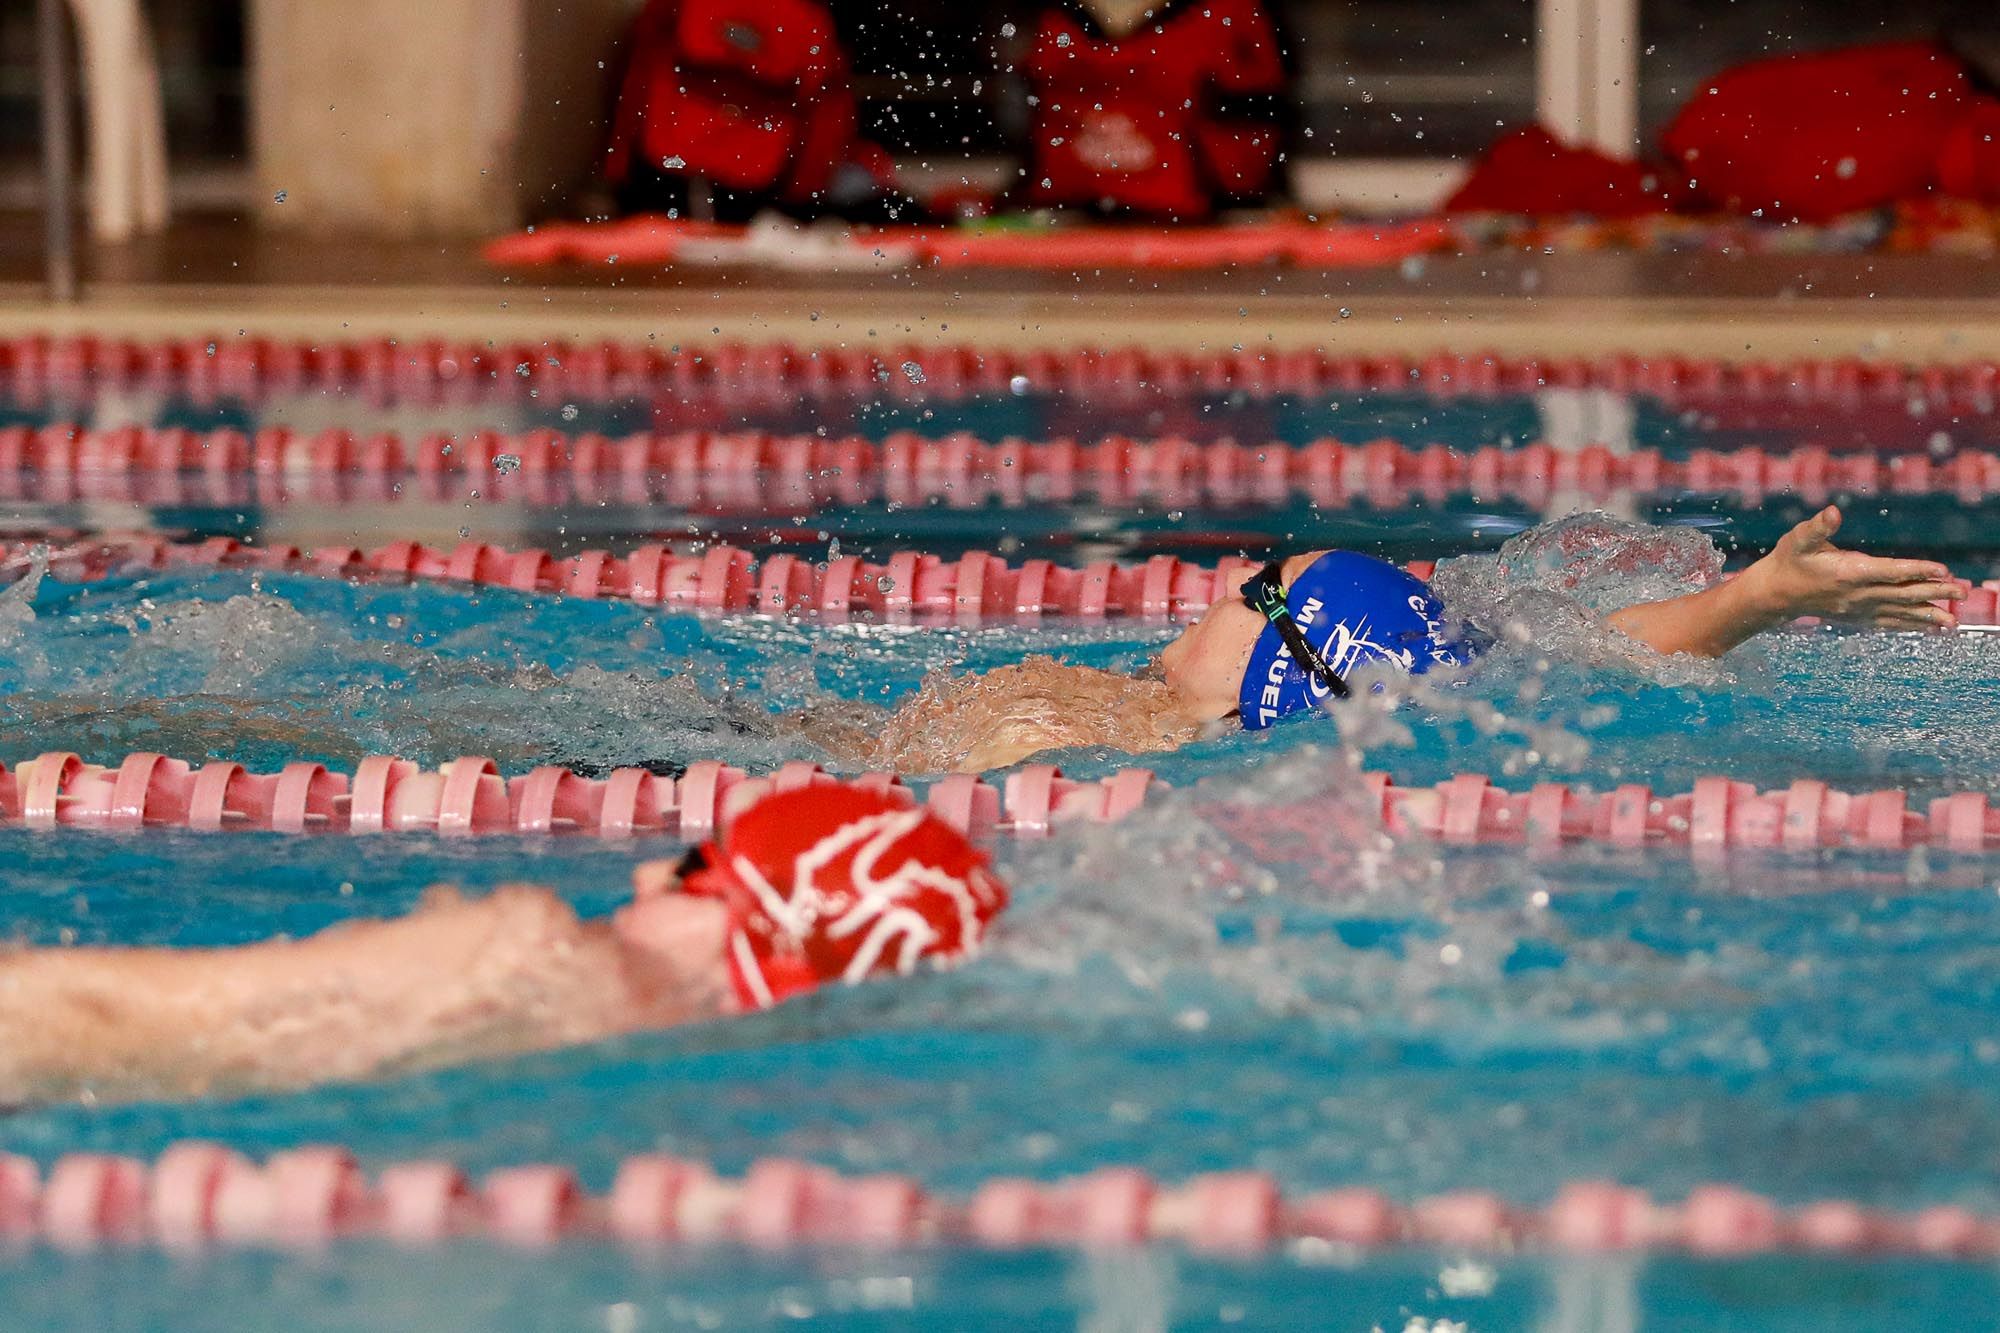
(753, 95)
(1173, 120)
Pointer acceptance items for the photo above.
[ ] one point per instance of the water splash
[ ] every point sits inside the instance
(17, 599)
(236, 642)
(1544, 594)
(1188, 900)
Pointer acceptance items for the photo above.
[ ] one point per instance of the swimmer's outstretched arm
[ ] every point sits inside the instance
(460, 977)
(1805, 575)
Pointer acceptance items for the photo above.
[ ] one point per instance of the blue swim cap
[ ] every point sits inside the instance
(1352, 609)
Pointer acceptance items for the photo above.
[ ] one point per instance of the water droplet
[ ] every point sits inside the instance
(674, 163)
(506, 463)
(278, 198)
(913, 372)
(1018, 385)
(569, 412)
(1345, 313)
(885, 584)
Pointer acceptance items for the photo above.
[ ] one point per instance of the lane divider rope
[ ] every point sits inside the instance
(764, 472)
(967, 590)
(198, 1195)
(468, 796)
(224, 366)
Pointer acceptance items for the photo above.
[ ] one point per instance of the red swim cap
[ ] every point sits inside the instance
(832, 882)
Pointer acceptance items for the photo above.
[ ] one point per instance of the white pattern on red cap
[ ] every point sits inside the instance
(838, 914)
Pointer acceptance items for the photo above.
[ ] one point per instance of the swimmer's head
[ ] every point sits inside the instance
(834, 882)
(1205, 665)
(1349, 610)
(1212, 664)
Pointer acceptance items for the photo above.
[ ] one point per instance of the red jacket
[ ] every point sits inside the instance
(754, 95)
(1172, 120)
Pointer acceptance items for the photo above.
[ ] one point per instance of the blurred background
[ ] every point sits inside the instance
(470, 116)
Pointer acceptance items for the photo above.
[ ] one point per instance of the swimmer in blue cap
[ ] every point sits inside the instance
(1340, 612)
(1301, 626)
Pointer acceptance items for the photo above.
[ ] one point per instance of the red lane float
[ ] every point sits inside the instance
(468, 797)
(908, 586)
(966, 589)
(1718, 815)
(764, 473)
(201, 1195)
(35, 368)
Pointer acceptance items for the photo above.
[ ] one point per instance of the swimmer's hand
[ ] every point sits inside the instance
(1805, 575)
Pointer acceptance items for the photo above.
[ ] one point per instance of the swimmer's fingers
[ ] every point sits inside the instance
(1813, 535)
(1878, 569)
(1909, 594)
(1913, 603)
(1914, 618)
(1853, 570)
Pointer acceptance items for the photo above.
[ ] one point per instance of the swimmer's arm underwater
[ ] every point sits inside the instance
(512, 971)
(1804, 575)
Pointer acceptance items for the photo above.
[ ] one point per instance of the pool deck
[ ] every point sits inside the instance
(218, 277)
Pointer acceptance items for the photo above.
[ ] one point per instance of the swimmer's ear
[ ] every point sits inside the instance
(656, 879)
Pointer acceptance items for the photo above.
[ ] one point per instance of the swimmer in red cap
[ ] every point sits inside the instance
(820, 885)
(1303, 623)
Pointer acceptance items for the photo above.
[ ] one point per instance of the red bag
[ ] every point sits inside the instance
(1969, 161)
(753, 95)
(1531, 171)
(1170, 121)
(1814, 136)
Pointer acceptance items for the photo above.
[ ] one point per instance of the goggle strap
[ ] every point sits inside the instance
(1264, 593)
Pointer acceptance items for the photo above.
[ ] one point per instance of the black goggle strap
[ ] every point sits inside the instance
(1264, 593)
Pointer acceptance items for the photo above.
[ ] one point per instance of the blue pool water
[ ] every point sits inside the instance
(1176, 992)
